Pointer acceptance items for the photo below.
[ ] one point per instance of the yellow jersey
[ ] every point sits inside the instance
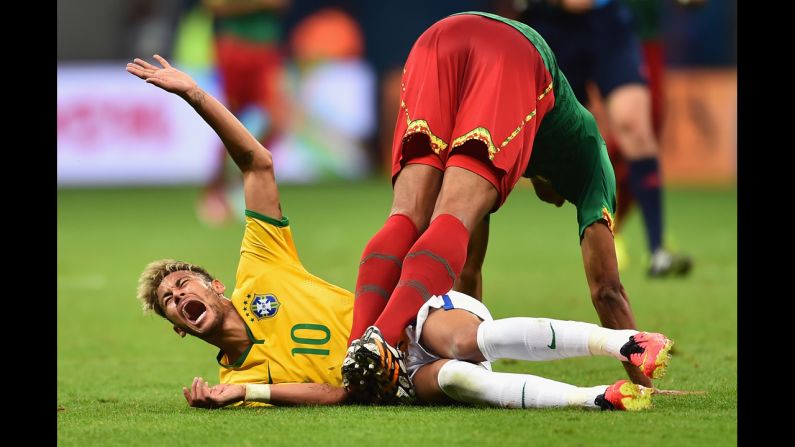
(298, 323)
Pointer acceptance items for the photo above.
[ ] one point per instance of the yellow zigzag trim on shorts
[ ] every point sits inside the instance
(480, 134)
(421, 126)
(526, 119)
(518, 129)
(483, 134)
(544, 93)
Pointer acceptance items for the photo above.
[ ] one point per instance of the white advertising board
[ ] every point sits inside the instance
(114, 129)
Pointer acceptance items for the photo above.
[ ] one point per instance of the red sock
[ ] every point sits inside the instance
(379, 271)
(430, 268)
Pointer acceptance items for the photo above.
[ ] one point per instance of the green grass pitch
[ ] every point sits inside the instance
(120, 373)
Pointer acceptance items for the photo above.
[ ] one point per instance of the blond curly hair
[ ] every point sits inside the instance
(154, 273)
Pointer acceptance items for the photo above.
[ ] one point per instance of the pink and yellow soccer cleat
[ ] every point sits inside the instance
(625, 396)
(649, 351)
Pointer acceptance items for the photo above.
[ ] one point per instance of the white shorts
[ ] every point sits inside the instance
(416, 355)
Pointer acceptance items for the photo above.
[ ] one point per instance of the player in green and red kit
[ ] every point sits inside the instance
(248, 36)
(483, 103)
(594, 41)
(647, 25)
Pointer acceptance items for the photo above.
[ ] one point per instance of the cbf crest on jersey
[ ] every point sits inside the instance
(265, 306)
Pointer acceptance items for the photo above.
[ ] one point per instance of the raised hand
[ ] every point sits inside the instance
(168, 78)
(201, 395)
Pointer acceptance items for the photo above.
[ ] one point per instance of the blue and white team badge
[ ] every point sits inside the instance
(265, 306)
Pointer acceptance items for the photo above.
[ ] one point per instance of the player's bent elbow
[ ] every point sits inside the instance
(464, 345)
(607, 294)
(331, 395)
(263, 161)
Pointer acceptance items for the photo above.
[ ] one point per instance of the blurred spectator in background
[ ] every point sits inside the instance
(330, 93)
(248, 53)
(148, 27)
(594, 42)
(647, 24)
(193, 44)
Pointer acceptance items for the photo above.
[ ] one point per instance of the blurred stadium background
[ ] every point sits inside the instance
(132, 162)
(115, 131)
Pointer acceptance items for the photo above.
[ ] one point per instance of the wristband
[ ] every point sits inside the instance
(258, 393)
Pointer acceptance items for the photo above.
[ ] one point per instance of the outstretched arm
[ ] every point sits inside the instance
(201, 395)
(254, 161)
(607, 293)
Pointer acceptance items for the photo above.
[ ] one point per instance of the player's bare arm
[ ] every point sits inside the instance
(607, 293)
(201, 395)
(254, 161)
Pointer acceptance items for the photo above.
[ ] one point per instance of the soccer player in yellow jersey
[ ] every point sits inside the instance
(283, 334)
(282, 324)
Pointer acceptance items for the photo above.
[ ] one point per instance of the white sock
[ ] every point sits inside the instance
(546, 339)
(470, 383)
(604, 341)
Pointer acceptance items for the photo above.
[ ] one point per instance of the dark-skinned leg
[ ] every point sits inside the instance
(471, 279)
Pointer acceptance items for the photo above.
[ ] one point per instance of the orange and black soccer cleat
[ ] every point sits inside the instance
(625, 396)
(649, 351)
(374, 371)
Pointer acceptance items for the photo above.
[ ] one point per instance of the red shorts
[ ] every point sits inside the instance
(247, 70)
(474, 92)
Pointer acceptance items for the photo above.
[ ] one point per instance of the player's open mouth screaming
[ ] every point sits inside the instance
(194, 311)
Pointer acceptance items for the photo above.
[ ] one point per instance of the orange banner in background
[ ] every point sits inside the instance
(699, 137)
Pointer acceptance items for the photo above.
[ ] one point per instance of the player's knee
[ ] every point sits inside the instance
(464, 344)
(628, 123)
(263, 161)
(455, 379)
(636, 134)
(419, 217)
